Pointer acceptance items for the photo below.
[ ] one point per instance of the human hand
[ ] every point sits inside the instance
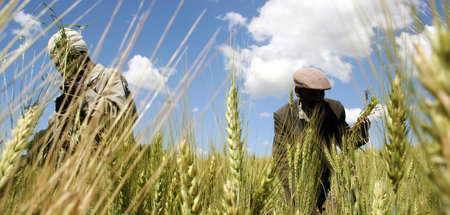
(70, 89)
(62, 103)
(364, 124)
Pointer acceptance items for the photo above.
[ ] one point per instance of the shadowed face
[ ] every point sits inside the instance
(70, 65)
(310, 97)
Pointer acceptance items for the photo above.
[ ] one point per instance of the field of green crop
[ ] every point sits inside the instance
(158, 171)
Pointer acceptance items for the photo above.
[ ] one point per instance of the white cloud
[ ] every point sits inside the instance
(25, 20)
(378, 112)
(234, 20)
(249, 150)
(351, 115)
(265, 115)
(27, 30)
(201, 152)
(266, 143)
(408, 42)
(235, 57)
(142, 73)
(292, 34)
(195, 110)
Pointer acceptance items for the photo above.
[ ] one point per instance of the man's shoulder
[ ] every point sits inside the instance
(282, 111)
(108, 73)
(336, 107)
(333, 103)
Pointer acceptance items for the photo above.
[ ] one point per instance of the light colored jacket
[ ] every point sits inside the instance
(105, 101)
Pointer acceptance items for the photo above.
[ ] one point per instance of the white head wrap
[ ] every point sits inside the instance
(75, 39)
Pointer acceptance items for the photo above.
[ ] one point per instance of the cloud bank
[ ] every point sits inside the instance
(143, 74)
(28, 26)
(408, 43)
(265, 115)
(234, 20)
(351, 115)
(290, 34)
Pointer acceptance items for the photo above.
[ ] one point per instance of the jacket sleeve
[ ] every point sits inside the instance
(342, 125)
(279, 149)
(104, 105)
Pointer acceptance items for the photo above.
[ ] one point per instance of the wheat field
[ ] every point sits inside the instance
(156, 169)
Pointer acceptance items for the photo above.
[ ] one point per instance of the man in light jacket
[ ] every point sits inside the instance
(94, 99)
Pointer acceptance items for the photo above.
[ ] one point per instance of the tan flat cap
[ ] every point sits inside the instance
(311, 78)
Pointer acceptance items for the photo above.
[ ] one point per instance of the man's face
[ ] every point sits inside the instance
(69, 64)
(310, 96)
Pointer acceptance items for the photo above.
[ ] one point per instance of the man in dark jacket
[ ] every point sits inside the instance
(290, 121)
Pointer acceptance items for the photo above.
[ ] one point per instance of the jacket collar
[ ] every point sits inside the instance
(301, 113)
(93, 75)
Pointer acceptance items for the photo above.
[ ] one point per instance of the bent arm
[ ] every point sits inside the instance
(106, 104)
(361, 128)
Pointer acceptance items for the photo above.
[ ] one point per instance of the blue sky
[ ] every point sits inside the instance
(271, 39)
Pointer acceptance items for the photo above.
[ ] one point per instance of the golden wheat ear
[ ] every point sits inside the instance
(15, 147)
(189, 182)
(235, 150)
(380, 199)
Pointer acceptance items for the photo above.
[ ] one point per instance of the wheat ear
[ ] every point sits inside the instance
(397, 133)
(172, 200)
(434, 76)
(189, 182)
(354, 134)
(379, 204)
(15, 147)
(263, 198)
(234, 146)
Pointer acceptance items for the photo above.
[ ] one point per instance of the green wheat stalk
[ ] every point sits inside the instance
(434, 75)
(347, 186)
(291, 99)
(290, 150)
(263, 197)
(397, 133)
(308, 166)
